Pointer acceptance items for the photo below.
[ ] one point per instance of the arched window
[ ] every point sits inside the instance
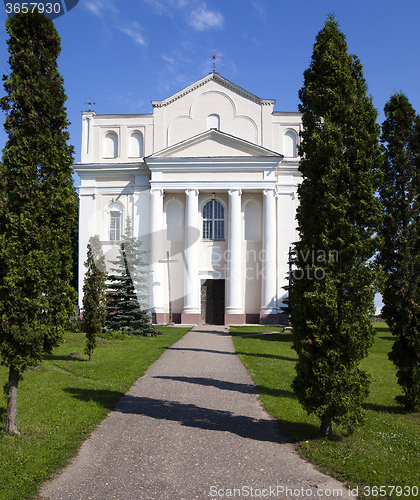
(114, 213)
(290, 141)
(213, 221)
(213, 121)
(135, 145)
(252, 221)
(115, 226)
(110, 146)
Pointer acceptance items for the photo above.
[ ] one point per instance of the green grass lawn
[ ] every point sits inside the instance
(63, 400)
(384, 452)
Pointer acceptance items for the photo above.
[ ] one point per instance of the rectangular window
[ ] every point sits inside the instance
(219, 229)
(207, 230)
(115, 227)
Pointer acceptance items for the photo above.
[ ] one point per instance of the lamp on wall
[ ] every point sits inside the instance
(212, 196)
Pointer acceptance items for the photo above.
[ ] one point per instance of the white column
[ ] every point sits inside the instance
(156, 249)
(268, 292)
(234, 274)
(285, 239)
(192, 231)
(86, 230)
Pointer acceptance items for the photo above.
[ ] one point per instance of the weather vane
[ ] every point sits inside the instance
(214, 58)
(90, 103)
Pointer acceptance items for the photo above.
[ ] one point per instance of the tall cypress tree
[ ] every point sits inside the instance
(127, 300)
(338, 215)
(400, 254)
(94, 294)
(38, 209)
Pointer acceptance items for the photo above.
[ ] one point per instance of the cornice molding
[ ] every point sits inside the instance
(140, 167)
(221, 138)
(220, 80)
(210, 186)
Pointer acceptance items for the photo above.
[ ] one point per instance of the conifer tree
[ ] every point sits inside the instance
(400, 254)
(38, 208)
(338, 214)
(127, 297)
(94, 294)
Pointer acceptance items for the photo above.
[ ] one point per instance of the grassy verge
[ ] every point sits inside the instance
(63, 400)
(385, 452)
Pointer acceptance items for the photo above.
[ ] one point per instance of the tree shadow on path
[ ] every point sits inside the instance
(191, 415)
(197, 349)
(220, 384)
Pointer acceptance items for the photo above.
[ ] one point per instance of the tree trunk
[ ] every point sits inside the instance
(326, 427)
(11, 418)
(90, 354)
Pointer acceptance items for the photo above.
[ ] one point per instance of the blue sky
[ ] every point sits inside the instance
(126, 53)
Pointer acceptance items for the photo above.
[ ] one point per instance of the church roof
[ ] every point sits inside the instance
(237, 146)
(220, 80)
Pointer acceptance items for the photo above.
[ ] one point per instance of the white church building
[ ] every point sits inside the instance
(209, 179)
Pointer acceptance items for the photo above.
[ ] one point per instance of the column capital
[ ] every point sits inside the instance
(267, 190)
(154, 191)
(292, 194)
(193, 191)
(234, 190)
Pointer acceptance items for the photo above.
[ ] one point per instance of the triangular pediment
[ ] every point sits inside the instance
(214, 144)
(223, 82)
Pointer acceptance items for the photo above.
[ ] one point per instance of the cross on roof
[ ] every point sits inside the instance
(90, 103)
(214, 57)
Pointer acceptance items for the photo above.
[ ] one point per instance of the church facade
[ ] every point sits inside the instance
(209, 180)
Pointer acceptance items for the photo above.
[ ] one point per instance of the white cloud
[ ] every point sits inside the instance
(202, 19)
(260, 8)
(165, 6)
(110, 15)
(253, 39)
(168, 59)
(100, 7)
(157, 5)
(134, 33)
(180, 4)
(195, 12)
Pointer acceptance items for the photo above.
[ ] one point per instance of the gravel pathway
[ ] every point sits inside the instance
(191, 428)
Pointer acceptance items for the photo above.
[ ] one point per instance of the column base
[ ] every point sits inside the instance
(163, 318)
(159, 318)
(191, 319)
(269, 319)
(252, 319)
(234, 319)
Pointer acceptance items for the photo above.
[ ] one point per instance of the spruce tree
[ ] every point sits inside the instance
(94, 294)
(38, 208)
(338, 214)
(127, 291)
(400, 254)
